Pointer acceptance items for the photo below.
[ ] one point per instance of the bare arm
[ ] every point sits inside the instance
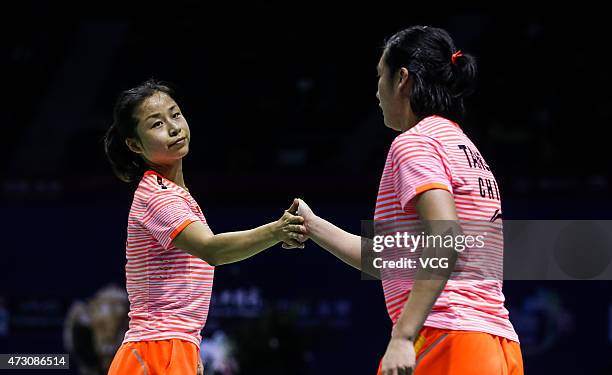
(216, 249)
(342, 244)
(431, 205)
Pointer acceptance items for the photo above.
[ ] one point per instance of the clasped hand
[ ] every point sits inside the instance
(296, 225)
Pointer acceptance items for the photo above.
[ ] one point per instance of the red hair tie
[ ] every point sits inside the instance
(455, 55)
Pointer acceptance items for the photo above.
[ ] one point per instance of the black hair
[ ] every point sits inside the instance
(440, 81)
(127, 165)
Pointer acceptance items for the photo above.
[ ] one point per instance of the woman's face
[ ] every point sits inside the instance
(390, 97)
(163, 132)
(384, 91)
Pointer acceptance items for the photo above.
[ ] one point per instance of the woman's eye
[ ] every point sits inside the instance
(176, 115)
(156, 124)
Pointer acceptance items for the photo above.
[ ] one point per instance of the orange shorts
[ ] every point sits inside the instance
(156, 357)
(446, 352)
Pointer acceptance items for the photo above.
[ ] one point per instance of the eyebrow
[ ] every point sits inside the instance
(156, 114)
(152, 115)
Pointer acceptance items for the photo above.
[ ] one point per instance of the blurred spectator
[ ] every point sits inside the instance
(93, 330)
(218, 355)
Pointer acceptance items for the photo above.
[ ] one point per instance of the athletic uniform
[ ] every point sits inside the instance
(468, 330)
(169, 290)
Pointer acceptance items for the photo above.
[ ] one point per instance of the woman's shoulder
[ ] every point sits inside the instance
(431, 129)
(434, 125)
(149, 187)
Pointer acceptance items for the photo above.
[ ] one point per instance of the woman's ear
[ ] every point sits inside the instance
(134, 145)
(404, 80)
(404, 75)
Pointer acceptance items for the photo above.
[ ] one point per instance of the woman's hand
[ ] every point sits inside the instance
(289, 228)
(306, 212)
(200, 369)
(400, 358)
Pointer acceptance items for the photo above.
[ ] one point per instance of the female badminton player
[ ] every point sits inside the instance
(171, 251)
(433, 172)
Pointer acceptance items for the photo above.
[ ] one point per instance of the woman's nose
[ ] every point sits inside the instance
(173, 128)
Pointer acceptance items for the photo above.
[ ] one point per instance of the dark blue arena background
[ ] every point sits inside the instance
(281, 104)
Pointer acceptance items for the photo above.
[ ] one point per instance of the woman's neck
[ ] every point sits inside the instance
(409, 121)
(172, 172)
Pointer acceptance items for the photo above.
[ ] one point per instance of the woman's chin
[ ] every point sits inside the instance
(181, 153)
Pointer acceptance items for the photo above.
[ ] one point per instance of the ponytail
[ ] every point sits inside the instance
(464, 75)
(127, 165)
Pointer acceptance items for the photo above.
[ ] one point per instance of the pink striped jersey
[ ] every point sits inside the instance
(169, 290)
(436, 154)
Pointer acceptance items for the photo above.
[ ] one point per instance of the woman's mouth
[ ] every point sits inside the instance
(178, 142)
